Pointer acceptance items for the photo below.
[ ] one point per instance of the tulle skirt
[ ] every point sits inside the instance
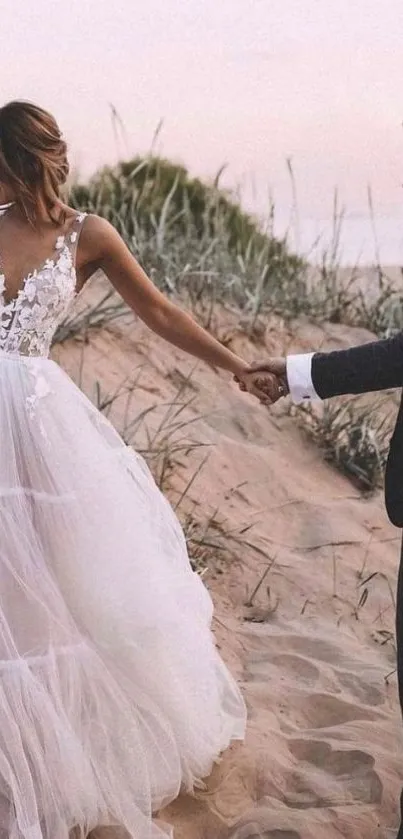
(112, 694)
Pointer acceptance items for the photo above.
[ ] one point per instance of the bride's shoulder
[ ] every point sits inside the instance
(97, 237)
(97, 226)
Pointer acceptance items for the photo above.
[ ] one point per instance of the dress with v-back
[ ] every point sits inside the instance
(112, 694)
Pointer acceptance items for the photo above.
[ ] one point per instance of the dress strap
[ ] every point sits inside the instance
(73, 235)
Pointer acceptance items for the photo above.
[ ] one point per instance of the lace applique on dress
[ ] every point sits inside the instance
(28, 321)
(40, 389)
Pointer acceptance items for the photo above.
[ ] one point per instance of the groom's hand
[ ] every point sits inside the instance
(277, 366)
(269, 378)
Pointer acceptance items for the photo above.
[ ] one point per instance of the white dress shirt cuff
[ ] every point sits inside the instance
(299, 378)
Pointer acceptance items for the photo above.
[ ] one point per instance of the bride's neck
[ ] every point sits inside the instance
(7, 200)
(8, 196)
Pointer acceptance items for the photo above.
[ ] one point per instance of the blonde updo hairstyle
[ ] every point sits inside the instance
(33, 159)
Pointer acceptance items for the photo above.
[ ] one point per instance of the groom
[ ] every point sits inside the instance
(370, 367)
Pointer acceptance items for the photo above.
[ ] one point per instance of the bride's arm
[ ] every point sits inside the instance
(102, 247)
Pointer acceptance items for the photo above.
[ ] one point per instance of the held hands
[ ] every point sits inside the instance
(266, 380)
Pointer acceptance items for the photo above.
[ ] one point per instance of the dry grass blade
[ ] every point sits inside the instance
(191, 482)
(260, 582)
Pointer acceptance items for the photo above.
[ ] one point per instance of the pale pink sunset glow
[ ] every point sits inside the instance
(249, 84)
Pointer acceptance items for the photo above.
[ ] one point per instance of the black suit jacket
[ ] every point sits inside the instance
(374, 366)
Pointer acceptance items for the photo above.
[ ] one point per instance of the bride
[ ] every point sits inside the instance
(112, 694)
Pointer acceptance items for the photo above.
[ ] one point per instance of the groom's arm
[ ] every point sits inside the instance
(374, 366)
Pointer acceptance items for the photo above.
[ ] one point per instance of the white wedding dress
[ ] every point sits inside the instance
(112, 694)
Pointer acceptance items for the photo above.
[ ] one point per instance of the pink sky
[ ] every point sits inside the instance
(243, 82)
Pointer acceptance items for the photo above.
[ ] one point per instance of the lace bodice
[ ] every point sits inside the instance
(29, 321)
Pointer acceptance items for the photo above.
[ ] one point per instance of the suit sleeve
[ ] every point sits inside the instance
(369, 367)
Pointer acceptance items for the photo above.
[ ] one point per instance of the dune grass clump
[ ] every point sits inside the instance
(194, 239)
(352, 437)
(197, 243)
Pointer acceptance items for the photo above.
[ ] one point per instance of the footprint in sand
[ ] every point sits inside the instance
(323, 710)
(305, 670)
(353, 777)
(361, 689)
(311, 648)
(253, 831)
(312, 660)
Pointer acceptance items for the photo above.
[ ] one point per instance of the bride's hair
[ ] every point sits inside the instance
(33, 158)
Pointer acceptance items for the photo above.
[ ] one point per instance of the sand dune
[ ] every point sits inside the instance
(324, 751)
